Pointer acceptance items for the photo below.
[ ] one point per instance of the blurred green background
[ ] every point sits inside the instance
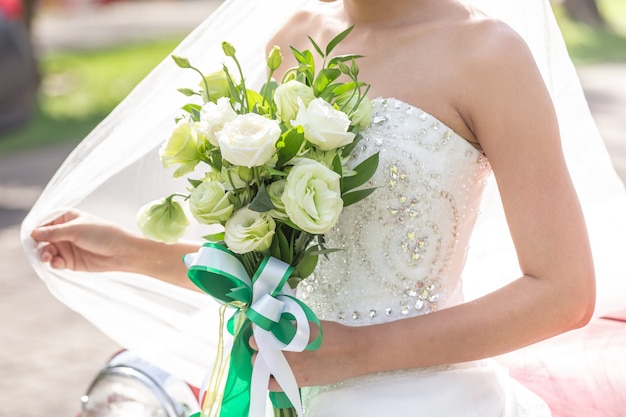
(79, 88)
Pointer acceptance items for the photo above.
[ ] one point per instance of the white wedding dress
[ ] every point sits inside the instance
(403, 253)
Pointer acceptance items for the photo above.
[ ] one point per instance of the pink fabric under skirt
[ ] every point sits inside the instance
(581, 373)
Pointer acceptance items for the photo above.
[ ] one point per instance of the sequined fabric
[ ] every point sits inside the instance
(403, 248)
(403, 252)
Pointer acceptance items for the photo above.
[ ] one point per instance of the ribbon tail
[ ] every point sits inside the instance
(258, 391)
(275, 360)
(236, 401)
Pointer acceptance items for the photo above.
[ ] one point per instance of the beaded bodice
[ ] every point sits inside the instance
(403, 247)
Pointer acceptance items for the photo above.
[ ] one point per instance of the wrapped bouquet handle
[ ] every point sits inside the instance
(266, 308)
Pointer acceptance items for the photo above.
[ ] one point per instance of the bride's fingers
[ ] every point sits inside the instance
(48, 252)
(53, 233)
(252, 343)
(53, 255)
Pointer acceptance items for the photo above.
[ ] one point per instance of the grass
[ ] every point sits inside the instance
(80, 88)
(589, 45)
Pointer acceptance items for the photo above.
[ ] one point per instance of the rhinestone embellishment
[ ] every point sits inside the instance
(402, 249)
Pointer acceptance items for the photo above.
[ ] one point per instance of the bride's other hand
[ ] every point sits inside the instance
(82, 242)
(334, 361)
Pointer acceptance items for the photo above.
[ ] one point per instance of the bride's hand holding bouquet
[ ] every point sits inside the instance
(268, 171)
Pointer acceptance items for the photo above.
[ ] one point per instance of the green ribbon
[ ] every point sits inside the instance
(262, 301)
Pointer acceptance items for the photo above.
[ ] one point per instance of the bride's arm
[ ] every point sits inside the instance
(82, 242)
(512, 115)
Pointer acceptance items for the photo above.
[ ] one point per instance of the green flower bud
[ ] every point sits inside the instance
(181, 149)
(163, 220)
(216, 84)
(274, 59)
(229, 50)
(181, 62)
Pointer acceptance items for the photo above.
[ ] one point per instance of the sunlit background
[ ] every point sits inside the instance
(91, 53)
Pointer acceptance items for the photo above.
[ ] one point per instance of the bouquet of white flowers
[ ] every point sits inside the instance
(275, 177)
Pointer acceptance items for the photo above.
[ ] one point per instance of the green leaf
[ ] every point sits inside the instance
(194, 183)
(254, 99)
(306, 63)
(267, 90)
(261, 201)
(194, 110)
(292, 141)
(364, 172)
(306, 266)
(337, 39)
(233, 89)
(343, 58)
(324, 78)
(356, 196)
(347, 87)
(181, 62)
(316, 46)
(286, 255)
(337, 164)
(216, 159)
(274, 247)
(215, 237)
(348, 148)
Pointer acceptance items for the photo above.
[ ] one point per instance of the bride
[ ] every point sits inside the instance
(458, 97)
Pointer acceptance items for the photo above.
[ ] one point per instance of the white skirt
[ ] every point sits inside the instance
(480, 389)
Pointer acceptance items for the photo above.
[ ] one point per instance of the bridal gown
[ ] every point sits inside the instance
(404, 249)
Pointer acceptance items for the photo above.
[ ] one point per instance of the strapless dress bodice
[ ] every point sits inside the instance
(403, 248)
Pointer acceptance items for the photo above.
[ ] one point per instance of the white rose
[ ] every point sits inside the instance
(324, 126)
(248, 231)
(210, 204)
(213, 117)
(312, 197)
(249, 140)
(286, 98)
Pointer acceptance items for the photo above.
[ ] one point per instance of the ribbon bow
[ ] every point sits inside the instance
(278, 320)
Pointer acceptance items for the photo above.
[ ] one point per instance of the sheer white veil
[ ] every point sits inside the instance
(116, 169)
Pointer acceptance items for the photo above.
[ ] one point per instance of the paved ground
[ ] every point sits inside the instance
(48, 354)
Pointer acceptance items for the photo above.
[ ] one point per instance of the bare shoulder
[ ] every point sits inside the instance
(489, 45)
(500, 78)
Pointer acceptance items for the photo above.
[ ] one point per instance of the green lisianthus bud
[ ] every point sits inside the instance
(360, 113)
(181, 149)
(274, 59)
(229, 50)
(181, 61)
(216, 85)
(163, 220)
(286, 98)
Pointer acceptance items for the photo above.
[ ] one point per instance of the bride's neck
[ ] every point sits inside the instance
(394, 12)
